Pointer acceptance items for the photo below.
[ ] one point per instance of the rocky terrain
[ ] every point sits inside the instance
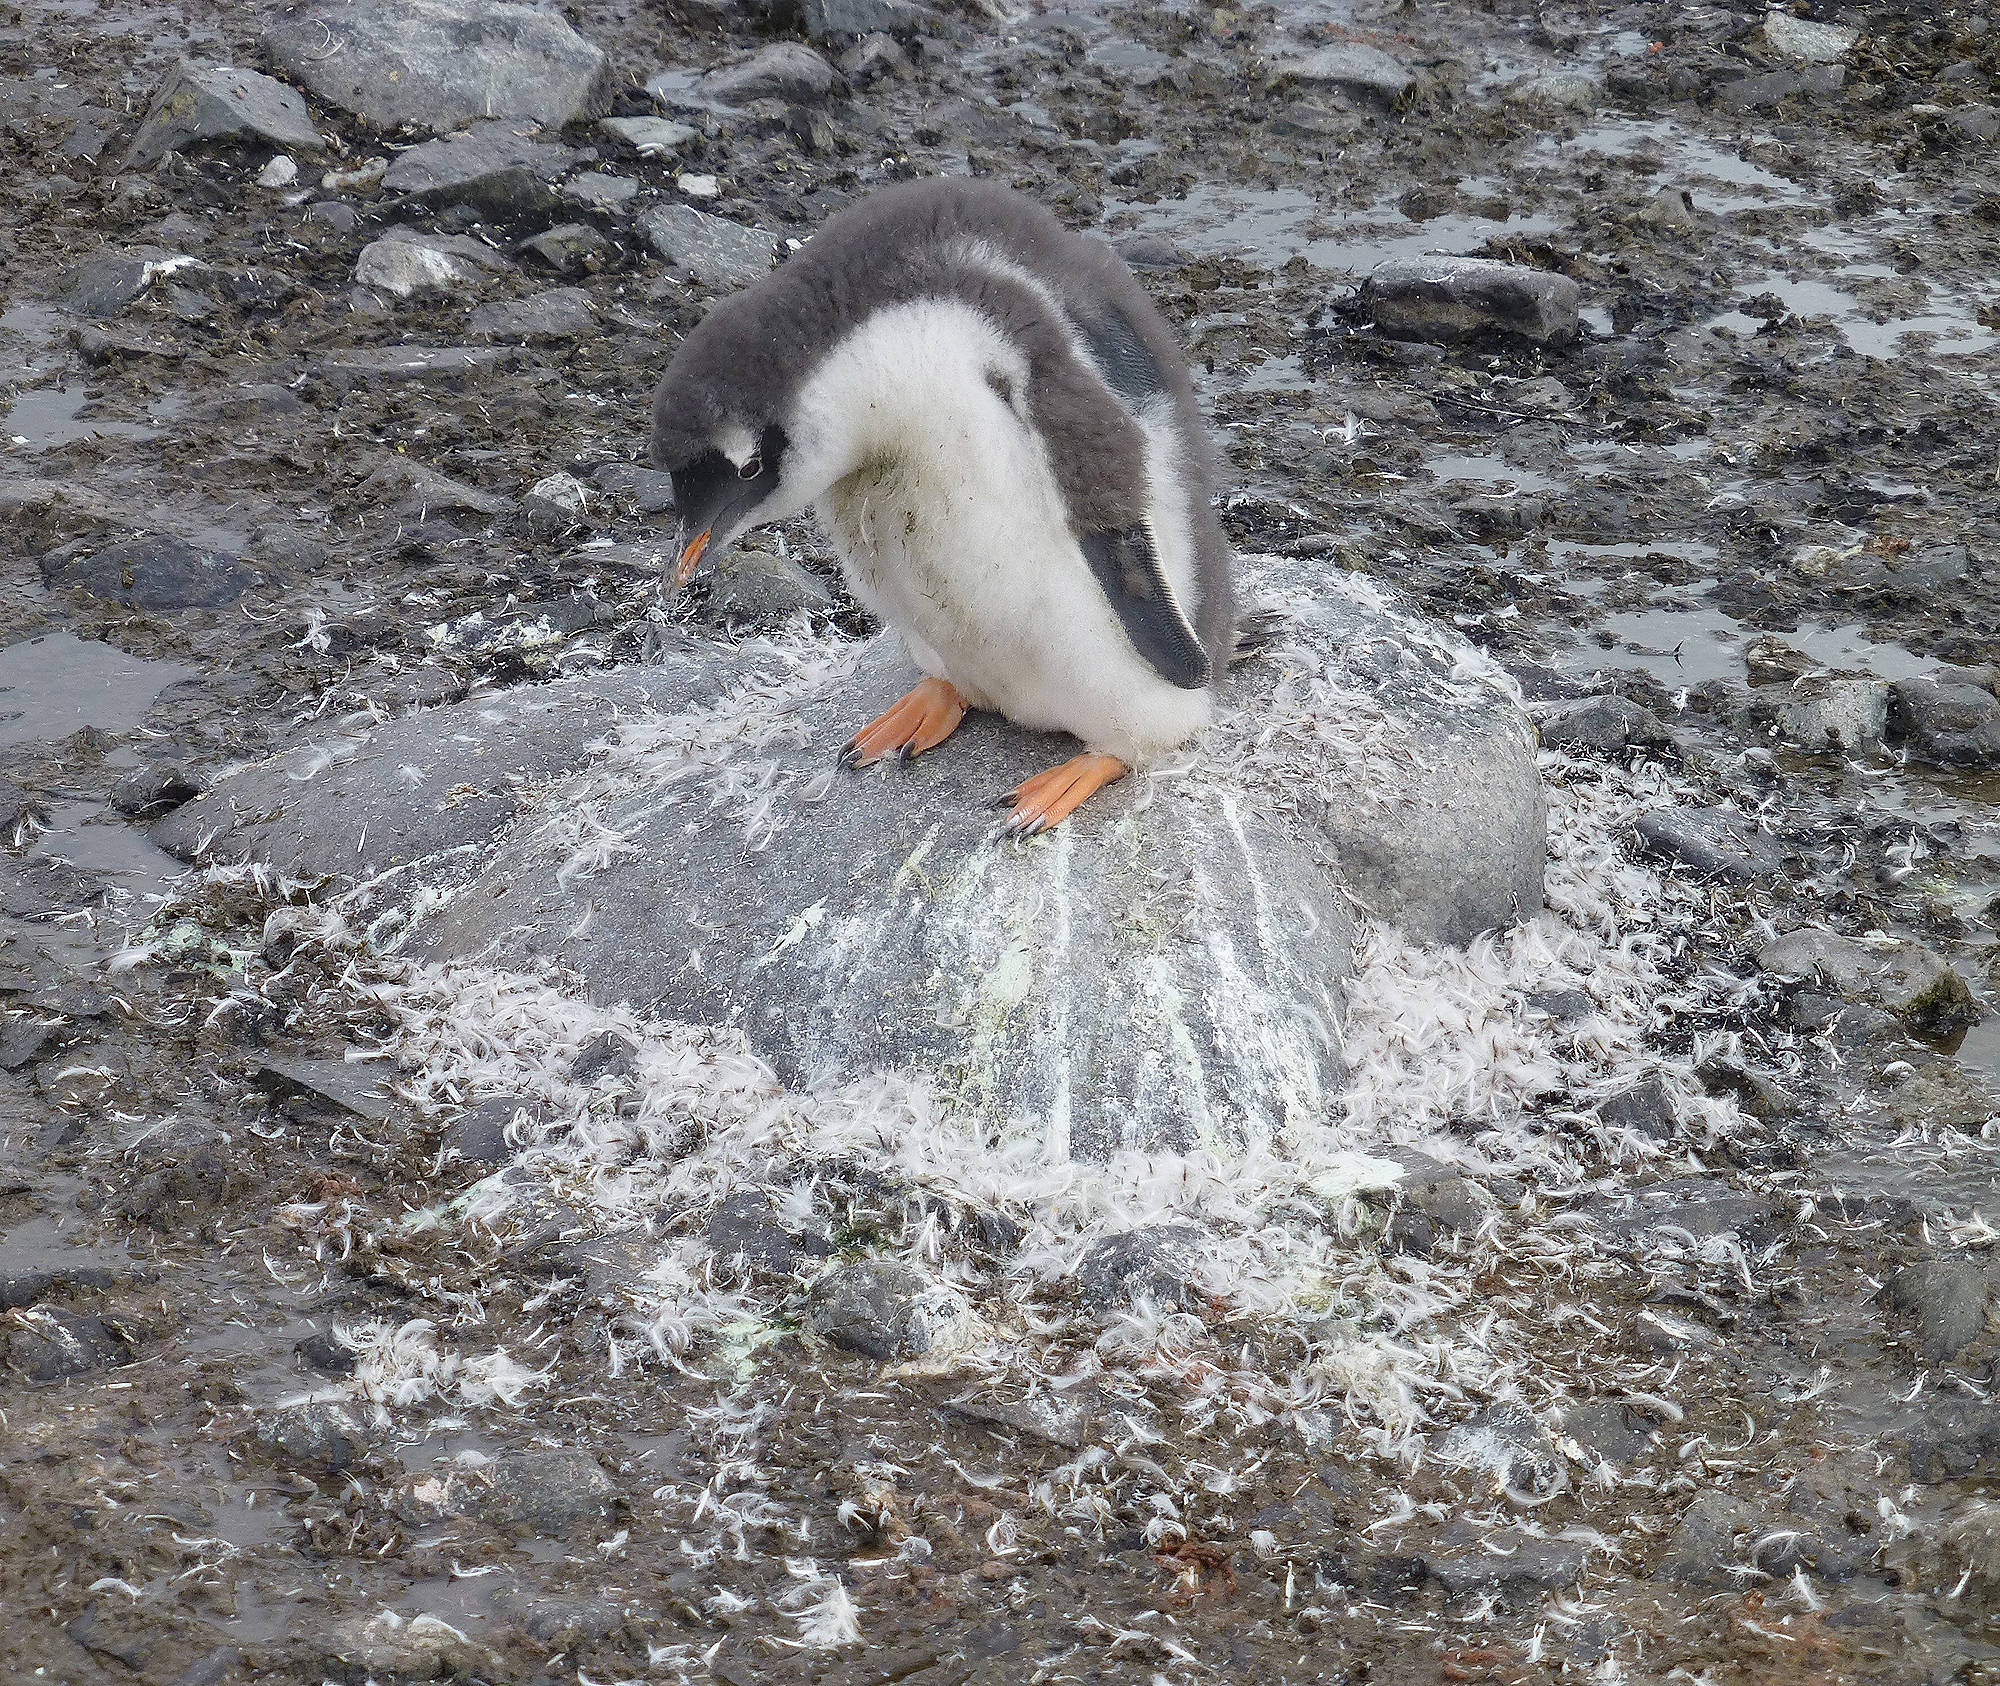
(1611, 1298)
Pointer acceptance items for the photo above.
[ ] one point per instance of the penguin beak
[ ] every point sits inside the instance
(691, 550)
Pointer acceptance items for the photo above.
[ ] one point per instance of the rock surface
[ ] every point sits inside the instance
(1717, 841)
(161, 573)
(787, 70)
(1946, 723)
(1449, 298)
(1357, 66)
(1164, 970)
(498, 168)
(213, 102)
(1900, 977)
(439, 64)
(722, 254)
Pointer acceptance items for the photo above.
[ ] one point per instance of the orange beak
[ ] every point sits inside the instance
(691, 556)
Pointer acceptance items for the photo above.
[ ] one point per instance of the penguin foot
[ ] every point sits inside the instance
(1049, 798)
(920, 721)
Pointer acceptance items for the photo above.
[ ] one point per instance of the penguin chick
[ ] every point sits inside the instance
(998, 434)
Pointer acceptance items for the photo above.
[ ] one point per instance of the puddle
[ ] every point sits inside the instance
(56, 684)
(42, 420)
(1690, 645)
(91, 836)
(1488, 471)
(1955, 333)
(1719, 180)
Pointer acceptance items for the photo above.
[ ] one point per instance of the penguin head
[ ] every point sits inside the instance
(733, 482)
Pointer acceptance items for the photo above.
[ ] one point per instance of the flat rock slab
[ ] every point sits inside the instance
(1166, 970)
(1356, 66)
(449, 364)
(440, 64)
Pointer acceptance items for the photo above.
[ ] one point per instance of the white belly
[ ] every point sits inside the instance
(967, 554)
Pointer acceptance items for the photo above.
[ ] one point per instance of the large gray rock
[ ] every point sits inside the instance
(216, 102)
(1448, 298)
(440, 64)
(722, 254)
(405, 262)
(1168, 968)
(1945, 723)
(499, 168)
(1901, 977)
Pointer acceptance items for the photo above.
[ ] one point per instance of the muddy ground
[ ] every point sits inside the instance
(1775, 424)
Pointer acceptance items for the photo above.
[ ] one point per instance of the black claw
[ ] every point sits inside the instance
(850, 757)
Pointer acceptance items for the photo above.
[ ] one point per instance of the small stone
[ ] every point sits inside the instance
(1452, 298)
(1703, 1549)
(556, 504)
(755, 588)
(595, 190)
(215, 102)
(1805, 41)
(605, 1055)
(1562, 90)
(882, 1309)
(1849, 716)
(1672, 208)
(404, 263)
(437, 65)
(481, 1135)
(788, 71)
(1759, 1095)
(280, 173)
(158, 573)
(50, 1346)
(746, 1228)
(1611, 1432)
(560, 313)
(1701, 1206)
(498, 169)
(718, 253)
(699, 187)
(651, 136)
(1948, 1297)
(1603, 726)
(102, 286)
(1151, 1263)
(153, 789)
(18, 811)
(1506, 1442)
(574, 248)
(1449, 1200)
(1647, 1107)
(322, 1435)
(839, 20)
(1355, 66)
(551, 1492)
(321, 1352)
(419, 489)
(1898, 976)
(1411, 1233)
(1054, 1422)
(558, 1623)
(1944, 723)
(1717, 842)
(872, 58)
(1506, 1561)
(337, 214)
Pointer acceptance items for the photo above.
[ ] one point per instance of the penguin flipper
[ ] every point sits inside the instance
(1126, 565)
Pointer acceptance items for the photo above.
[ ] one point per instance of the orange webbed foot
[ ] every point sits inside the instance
(919, 721)
(1049, 798)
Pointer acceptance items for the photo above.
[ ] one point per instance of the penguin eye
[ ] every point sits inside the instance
(752, 467)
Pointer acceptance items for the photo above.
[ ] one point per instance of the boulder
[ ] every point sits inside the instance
(1447, 298)
(844, 20)
(1717, 842)
(1900, 977)
(1806, 42)
(437, 65)
(498, 168)
(713, 250)
(1560, 90)
(218, 102)
(1846, 715)
(649, 135)
(1164, 970)
(1945, 723)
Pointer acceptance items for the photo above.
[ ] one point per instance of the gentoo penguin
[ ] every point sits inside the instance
(997, 431)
